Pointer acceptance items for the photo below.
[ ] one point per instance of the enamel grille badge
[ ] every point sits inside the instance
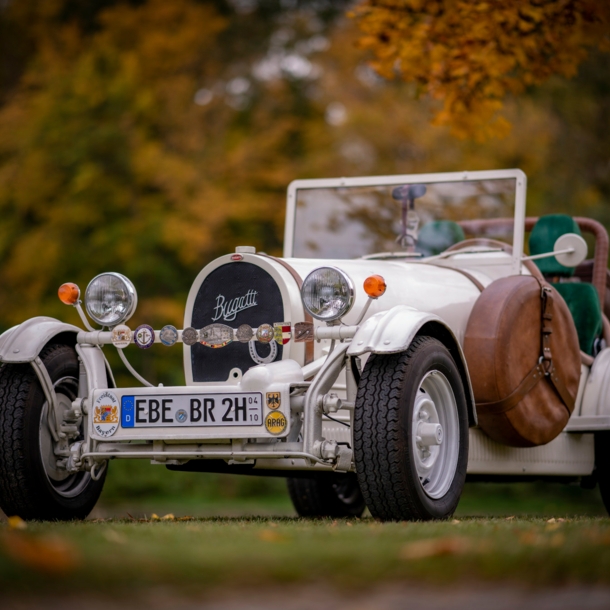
(216, 335)
(168, 335)
(144, 336)
(281, 332)
(244, 333)
(265, 333)
(190, 336)
(121, 336)
(106, 414)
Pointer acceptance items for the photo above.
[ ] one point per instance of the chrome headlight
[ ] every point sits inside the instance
(327, 293)
(110, 299)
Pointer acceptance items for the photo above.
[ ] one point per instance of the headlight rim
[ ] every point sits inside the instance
(131, 290)
(351, 294)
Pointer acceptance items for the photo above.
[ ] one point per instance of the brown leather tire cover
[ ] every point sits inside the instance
(503, 344)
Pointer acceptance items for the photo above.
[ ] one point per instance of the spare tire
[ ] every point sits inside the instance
(522, 351)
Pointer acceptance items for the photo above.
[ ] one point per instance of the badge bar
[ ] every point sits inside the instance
(213, 336)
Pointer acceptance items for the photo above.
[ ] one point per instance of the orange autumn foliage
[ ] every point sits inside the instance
(470, 56)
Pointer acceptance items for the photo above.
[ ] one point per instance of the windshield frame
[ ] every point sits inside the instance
(325, 183)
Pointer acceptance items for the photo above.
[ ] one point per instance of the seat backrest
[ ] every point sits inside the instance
(583, 302)
(542, 240)
(436, 236)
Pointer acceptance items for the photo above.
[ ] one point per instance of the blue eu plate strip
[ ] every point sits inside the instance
(127, 411)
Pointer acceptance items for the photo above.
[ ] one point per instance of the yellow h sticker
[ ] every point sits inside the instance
(276, 422)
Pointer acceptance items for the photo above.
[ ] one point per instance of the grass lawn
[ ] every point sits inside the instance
(540, 535)
(229, 552)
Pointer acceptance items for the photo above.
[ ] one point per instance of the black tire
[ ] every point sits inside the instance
(333, 495)
(602, 466)
(26, 487)
(387, 456)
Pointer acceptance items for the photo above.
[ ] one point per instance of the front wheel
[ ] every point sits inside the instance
(33, 482)
(411, 433)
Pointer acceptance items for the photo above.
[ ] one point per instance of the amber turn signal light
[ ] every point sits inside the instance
(69, 293)
(374, 286)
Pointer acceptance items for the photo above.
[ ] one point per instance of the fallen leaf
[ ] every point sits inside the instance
(155, 517)
(455, 521)
(185, 518)
(510, 518)
(168, 517)
(49, 554)
(271, 536)
(551, 520)
(114, 536)
(434, 547)
(557, 540)
(529, 538)
(16, 523)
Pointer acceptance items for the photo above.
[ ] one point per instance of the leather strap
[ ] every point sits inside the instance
(544, 368)
(515, 397)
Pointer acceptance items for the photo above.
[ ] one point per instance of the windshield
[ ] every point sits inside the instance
(414, 218)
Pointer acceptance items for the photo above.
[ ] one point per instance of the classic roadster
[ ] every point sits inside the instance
(403, 343)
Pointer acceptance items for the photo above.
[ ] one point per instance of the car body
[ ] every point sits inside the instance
(290, 362)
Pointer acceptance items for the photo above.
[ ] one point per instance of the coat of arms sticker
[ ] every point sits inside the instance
(106, 414)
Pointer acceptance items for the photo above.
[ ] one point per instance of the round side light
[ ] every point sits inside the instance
(327, 293)
(374, 286)
(110, 299)
(69, 293)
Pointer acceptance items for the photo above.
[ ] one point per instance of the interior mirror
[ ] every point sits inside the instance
(570, 249)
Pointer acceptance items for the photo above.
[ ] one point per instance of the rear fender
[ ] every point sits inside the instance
(23, 343)
(596, 397)
(392, 331)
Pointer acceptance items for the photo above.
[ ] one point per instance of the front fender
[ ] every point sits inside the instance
(392, 331)
(389, 332)
(23, 343)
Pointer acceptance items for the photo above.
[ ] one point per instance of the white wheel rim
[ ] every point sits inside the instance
(64, 483)
(435, 434)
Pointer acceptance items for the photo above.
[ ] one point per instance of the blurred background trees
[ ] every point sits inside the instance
(148, 137)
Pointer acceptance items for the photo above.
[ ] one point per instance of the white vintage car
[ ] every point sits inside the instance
(379, 364)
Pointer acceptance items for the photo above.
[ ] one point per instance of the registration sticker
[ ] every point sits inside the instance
(192, 410)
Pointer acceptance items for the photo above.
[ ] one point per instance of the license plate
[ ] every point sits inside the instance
(192, 410)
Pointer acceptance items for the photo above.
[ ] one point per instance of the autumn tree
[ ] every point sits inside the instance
(469, 56)
(149, 137)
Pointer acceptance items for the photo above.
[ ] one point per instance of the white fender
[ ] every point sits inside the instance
(23, 343)
(390, 332)
(596, 396)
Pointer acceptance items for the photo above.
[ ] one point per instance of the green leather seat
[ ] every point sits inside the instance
(436, 236)
(581, 298)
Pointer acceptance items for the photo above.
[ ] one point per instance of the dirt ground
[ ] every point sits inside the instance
(312, 597)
